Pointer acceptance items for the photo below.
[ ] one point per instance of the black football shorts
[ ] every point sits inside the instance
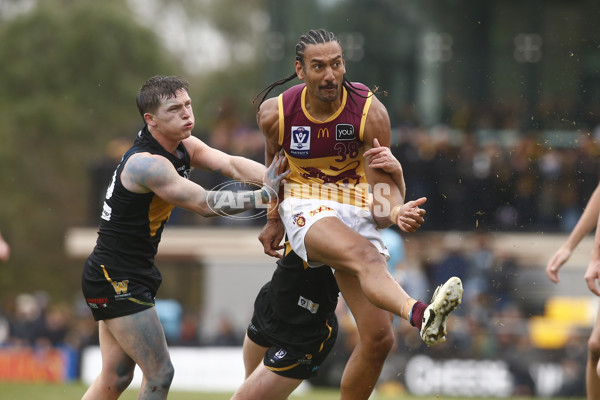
(295, 352)
(111, 296)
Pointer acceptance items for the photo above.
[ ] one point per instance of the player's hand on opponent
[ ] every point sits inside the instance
(558, 259)
(275, 175)
(271, 236)
(409, 216)
(272, 233)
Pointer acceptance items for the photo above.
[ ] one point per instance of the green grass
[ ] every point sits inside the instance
(30, 391)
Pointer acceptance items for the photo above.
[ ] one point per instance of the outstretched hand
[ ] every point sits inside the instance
(409, 216)
(275, 174)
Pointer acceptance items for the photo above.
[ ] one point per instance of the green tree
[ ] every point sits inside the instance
(70, 71)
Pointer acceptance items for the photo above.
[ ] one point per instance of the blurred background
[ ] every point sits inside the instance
(495, 111)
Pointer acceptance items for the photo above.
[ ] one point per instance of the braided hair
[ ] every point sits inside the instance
(314, 36)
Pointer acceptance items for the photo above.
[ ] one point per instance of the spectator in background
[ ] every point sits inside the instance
(226, 334)
(4, 249)
(170, 312)
(409, 271)
(454, 261)
(28, 322)
(395, 245)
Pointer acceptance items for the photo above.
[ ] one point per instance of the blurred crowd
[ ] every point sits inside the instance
(519, 183)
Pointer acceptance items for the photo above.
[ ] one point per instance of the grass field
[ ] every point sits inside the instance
(14, 391)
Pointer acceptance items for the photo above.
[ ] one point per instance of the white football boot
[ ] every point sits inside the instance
(445, 300)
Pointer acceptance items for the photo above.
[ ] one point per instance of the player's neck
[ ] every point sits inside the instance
(169, 144)
(322, 110)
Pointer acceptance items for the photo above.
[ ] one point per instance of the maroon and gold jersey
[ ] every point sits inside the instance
(325, 157)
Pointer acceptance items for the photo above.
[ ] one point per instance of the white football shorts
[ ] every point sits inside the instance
(298, 215)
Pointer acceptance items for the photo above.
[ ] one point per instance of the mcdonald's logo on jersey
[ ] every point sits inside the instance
(300, 141)
(323, 132)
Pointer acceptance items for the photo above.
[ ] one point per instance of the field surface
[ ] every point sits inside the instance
(14, 391)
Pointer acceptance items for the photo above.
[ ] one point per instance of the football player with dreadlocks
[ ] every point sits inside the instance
(332, 208)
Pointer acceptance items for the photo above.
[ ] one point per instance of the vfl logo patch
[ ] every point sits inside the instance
(280, 354)
(300, 143)
(308, 304)
(344, 132)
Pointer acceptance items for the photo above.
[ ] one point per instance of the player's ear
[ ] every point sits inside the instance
(150, 119)
(299, 70)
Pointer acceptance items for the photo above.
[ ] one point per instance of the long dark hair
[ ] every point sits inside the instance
(314, 36)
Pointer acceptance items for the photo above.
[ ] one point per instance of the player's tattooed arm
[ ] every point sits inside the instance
(144, 173)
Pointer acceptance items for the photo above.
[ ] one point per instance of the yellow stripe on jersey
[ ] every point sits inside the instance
(158, 213)
(363, 119)
(106, 274)
(327, 338)
(332, 117)
(281, 118)
(288, 250)
(140, 302)
(282, 368)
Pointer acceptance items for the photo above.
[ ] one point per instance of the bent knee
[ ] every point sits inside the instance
(378, 343)
(119, 380)
(165, 376)
(367, 258)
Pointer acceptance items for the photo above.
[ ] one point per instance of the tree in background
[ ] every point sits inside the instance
(70, 72)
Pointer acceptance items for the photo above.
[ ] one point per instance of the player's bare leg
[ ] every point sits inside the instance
(592, 374)
(253, 355)
(141, 338)
(264, 384)
(331, 242)
(376, 339)
(117, 369)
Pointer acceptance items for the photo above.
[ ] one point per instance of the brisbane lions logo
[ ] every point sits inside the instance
(347, 174)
